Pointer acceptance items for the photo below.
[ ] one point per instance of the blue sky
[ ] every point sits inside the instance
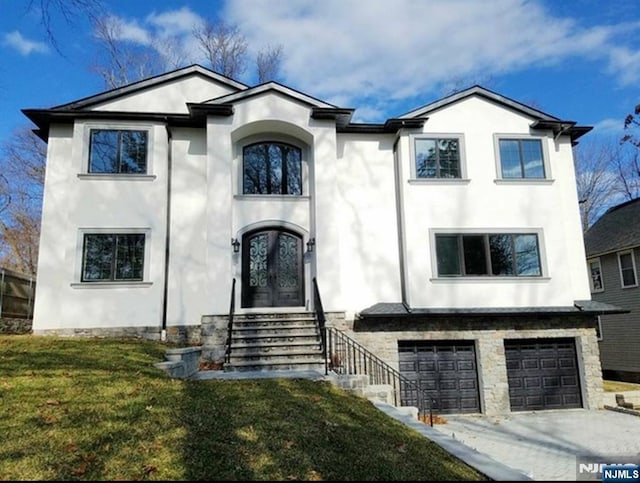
(578, 60)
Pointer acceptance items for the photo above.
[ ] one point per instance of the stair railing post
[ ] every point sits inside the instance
(232, 308)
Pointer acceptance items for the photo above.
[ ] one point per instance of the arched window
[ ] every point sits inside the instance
(272, 168)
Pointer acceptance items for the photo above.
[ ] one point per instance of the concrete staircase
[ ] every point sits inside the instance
(275, 341)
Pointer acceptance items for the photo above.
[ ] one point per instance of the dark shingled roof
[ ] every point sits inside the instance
(579, 307)
(617, 229)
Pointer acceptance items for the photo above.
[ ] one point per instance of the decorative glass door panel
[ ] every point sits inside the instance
(272, 269)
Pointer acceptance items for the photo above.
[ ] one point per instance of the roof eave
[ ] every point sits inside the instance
(391, 126)
(43, 118)
(560, 128)
(342, 116)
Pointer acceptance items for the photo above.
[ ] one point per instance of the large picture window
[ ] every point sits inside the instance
(272, 168)
(437, 158)
(521, 158)
(498, 255)
(118, 151)
(113, 257)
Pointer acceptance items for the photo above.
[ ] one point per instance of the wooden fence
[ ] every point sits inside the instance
(16, 294)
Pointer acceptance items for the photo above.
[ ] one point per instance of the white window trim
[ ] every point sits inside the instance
(77, 278)
(545, 159)
(589, 262)
(238, 171)
(438, 135)
(633, 263)
(544, 270)
(83, 172)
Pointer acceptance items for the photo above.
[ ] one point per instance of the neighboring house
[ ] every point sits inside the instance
(613, 258)
(447, 241)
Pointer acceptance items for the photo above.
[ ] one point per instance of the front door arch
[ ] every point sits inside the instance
(272, 269)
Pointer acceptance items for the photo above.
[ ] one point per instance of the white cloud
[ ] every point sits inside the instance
(24, 46)
(609, 126)
(175, 22)
(359, 50)
(132, 31)
(624, 63)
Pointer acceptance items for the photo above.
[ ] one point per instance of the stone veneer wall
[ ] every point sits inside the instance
(182, 335)
(380, 335)
(15, 326)
(149, 333)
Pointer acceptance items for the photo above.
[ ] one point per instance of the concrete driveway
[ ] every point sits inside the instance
(547, 445)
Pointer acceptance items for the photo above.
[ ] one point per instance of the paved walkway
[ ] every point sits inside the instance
(546, 445)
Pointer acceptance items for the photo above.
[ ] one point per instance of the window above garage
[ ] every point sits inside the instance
(487, 255)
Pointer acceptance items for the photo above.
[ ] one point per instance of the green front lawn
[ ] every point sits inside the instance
(97, 409)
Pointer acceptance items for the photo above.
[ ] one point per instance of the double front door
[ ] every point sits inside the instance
(272, 269)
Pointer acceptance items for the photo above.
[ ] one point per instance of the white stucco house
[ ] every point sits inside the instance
(447, 240)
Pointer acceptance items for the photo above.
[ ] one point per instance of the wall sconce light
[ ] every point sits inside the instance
(310, 244)
(235, 244)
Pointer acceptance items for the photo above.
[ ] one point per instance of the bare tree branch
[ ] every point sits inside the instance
(23, 166)
(224, 47)
(268, 63)
(596, 179)
(122, 62)
(71, 12)
(628, 171)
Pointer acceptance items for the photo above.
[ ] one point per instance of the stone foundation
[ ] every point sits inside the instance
(180, 335)
(15, 326)
(380, 335)
(148, 333)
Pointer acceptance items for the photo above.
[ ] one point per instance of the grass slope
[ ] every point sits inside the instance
(96, 409)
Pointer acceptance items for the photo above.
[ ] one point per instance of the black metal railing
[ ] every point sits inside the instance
(232, 309)
(317, 305)
(348, 357)
(344, 356)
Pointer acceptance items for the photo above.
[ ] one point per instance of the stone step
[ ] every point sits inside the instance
(244, 332)
(282, 339)
(274, 316)
(274, 365)
(277, 354)
(274, 323)
(268, 349)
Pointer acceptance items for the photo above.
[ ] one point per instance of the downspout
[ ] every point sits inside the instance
(167, 237)
(400, 225)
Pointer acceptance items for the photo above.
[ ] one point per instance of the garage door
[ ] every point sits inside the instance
(543, 374)
(445, 371)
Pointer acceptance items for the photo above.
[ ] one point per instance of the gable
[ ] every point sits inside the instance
(474, 112)
(170, 97)
(166, 93)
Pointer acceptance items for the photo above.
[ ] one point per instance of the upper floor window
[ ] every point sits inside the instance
(495, 254)
(627, 269)
(272, 168)
(521, 158)
(110, 257)
(437, 158)
(595, 269)
(118, 151)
